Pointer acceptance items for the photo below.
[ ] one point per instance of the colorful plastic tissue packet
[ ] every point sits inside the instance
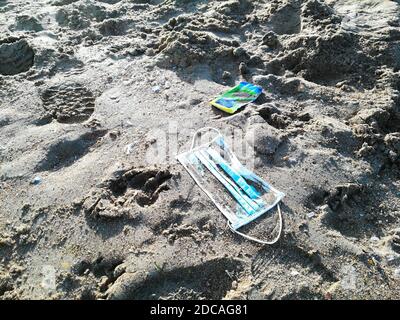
(237, 97)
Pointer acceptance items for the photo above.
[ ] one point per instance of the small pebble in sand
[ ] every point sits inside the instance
(396, 273)
(226, 75)
(36, 180)
(129, 148)
(156, 89)
(374, 239)
(289, 160)
(311, 215)
(234, 285)
(243, 69)
(114, 134)
(294, 273)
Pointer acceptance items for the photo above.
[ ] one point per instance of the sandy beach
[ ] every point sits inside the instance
(97, 98)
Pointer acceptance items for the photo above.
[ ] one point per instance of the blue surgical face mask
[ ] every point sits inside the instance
(237, 192)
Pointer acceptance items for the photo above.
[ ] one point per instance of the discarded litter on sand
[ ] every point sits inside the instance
(237, 97)
(237, 192)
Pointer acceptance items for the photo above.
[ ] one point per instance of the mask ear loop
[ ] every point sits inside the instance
(259, 240)
(201, 130)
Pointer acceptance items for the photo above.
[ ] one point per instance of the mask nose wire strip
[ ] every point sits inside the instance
(259, 240)
(201, 130)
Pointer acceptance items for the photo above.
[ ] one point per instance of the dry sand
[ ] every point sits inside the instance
(90, 90)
